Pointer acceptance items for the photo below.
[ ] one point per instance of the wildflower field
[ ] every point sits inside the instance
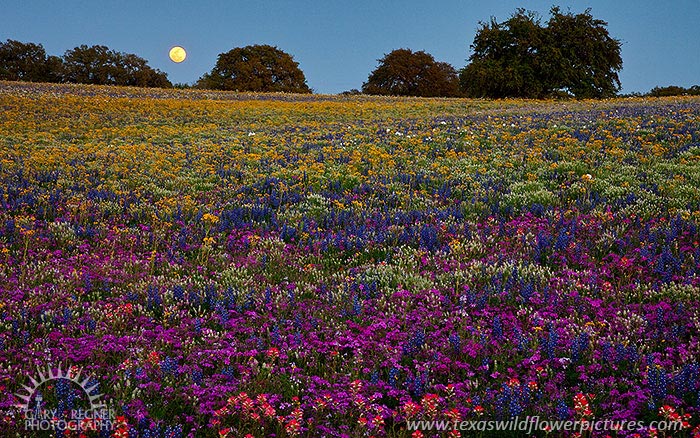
(231, 265)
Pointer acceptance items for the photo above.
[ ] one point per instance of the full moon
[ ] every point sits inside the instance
(177, 54)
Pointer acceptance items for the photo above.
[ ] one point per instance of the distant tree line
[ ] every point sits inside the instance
(85, 65)
(674, 90)
(569, 55)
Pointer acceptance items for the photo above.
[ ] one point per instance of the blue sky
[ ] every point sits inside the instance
(337, 42)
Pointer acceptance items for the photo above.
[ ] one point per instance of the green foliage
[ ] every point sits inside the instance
(101, 66)
(673, 90)
(261, 68)
(84, 65)
(406, 73)
(507, 59)
(573, 55)
(582, 57)
(28, 62)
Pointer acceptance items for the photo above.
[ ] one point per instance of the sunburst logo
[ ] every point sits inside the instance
(71, 374)
(96, 417)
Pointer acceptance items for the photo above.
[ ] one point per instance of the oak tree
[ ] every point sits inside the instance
(572, 55)
(403, 72)
(102, 66)
(28, 62)
(259, 68)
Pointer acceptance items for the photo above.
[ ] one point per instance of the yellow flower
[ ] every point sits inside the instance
(210, 218)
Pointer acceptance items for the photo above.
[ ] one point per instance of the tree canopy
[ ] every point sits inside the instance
(403, 72)
(260, 68)
(102, 66)
(572, 55)
(28, 62)
(674, 90)
(85, 65)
